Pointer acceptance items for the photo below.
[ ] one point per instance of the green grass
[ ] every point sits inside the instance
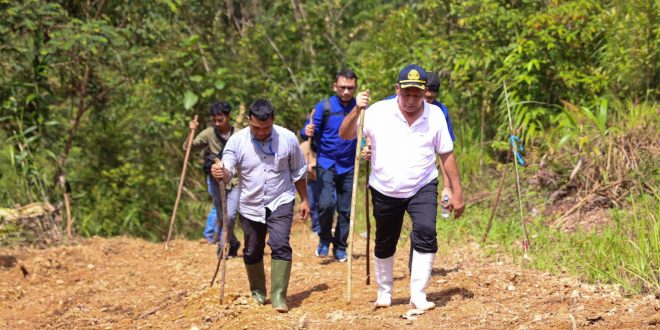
(625, 253)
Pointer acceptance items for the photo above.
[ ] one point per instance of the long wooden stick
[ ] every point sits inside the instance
(309, 150)
(366, 216)
(495, 203)
(525, 243)
(191, 136)
(224, 239)
(67, 205)
(356, 171)
(224, 245)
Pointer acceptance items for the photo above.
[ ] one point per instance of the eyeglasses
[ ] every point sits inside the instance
(348, 88)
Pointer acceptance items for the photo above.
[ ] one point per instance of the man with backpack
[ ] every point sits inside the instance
(335, 162)
(213, 140)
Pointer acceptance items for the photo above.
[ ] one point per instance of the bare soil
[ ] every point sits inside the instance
(131, 283)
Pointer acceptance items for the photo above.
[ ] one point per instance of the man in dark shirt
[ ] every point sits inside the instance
(212, 140)
(335, 162)
(430, 94)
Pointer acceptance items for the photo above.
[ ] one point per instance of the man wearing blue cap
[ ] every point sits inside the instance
(406, 135)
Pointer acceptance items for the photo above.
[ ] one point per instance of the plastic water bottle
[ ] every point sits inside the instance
(444, 207)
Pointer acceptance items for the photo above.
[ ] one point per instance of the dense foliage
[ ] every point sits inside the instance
(101, 91)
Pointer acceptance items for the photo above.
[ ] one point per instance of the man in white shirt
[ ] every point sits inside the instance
(270, 167)
(406, 135)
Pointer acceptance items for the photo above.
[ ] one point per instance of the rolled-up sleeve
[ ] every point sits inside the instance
(297, 164)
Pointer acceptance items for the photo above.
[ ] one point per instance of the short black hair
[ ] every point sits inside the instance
(220, 108)
(432, 81)
(262, 110)
(346, 73)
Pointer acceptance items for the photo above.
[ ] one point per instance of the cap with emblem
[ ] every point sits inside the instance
(412, 76)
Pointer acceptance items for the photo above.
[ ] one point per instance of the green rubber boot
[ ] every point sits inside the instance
(257, 280)
(279, 283)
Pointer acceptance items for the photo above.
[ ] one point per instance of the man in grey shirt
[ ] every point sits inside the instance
(270, 167)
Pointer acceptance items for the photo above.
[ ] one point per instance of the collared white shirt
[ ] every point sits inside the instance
(267, 170)
(403, 157)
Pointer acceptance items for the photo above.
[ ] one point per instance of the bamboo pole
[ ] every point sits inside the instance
(525, 243)
(191, 136)
(356, 171)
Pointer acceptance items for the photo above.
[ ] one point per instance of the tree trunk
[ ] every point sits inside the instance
(82, 108)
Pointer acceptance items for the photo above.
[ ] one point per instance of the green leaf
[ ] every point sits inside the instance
(189, 100)
(219, 84)
(196, 78)
(208, 92)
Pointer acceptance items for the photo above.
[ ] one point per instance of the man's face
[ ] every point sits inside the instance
(261, 129)
(430, 95)
(410, 99)
(345, 88)
(221, 121)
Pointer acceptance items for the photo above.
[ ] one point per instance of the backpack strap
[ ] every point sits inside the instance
(218, 135)
(327, 113)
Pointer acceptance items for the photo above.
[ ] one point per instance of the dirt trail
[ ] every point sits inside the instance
(130, 283)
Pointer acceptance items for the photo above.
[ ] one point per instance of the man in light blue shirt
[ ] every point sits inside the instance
(270, 167)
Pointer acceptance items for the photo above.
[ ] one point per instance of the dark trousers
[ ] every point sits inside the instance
(388, 212)
(333, 185)
(278, 226)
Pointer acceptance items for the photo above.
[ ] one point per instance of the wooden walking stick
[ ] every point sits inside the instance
(224, 246)
(495, 203)
(67, 191)
(366, 210)
(311, 175)
(356, 170)
(191, 136)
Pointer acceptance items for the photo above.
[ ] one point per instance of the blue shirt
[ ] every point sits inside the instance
(444, 111)
(331, 149)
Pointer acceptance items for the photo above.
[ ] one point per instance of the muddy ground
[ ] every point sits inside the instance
(130, 283)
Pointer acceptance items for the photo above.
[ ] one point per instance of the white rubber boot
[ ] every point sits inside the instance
(384, 269)
(422, 264)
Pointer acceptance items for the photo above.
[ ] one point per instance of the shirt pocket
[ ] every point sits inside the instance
(281, 164)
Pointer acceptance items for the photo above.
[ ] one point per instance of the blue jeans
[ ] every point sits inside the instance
(313, 199)
(333, 185)
(232, 210)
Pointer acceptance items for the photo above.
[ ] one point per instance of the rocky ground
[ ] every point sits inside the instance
(130, 283)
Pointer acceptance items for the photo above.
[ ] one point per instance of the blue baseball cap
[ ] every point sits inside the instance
(412, 76)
